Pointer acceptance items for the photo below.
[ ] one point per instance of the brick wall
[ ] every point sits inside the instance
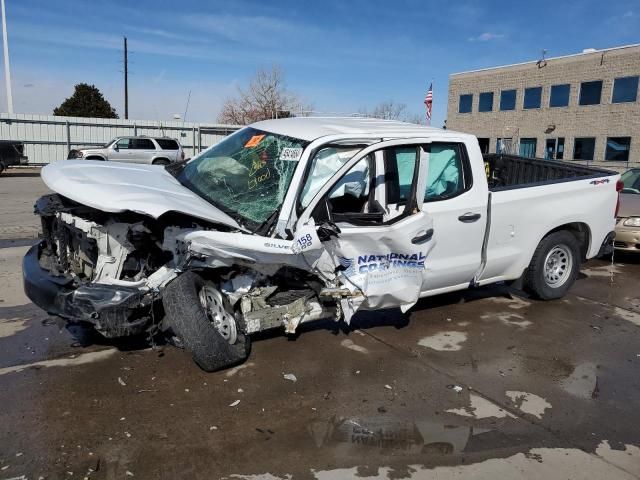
(599, 121)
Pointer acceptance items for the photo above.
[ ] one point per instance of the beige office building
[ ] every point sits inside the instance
(584, 107)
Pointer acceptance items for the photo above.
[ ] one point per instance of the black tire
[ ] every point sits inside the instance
(567, 248)
(189, 321)
(2, 167)
(161, 161)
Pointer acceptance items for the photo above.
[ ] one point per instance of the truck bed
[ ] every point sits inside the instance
(506, 172)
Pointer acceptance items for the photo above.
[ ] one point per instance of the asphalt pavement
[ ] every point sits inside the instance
(484, 384)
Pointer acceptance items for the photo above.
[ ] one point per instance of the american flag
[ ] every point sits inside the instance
(428, 101)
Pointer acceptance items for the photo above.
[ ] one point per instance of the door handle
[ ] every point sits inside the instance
(469, 217)
(423, 238)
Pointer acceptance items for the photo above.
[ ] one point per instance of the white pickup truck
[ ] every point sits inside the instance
(293, 220)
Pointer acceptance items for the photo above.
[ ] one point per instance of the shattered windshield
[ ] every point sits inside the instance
(246, 175)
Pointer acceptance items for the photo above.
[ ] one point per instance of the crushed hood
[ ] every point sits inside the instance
(629, 205)
(117, 187)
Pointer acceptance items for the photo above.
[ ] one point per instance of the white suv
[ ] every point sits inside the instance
(155, 151)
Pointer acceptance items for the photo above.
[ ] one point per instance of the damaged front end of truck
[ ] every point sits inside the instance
(110, 270)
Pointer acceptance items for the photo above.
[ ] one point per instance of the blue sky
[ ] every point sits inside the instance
(340, 56)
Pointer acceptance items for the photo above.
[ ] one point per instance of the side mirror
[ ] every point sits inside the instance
(115, 147)
(328, 230)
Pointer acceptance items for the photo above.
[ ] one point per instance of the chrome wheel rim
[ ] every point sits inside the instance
(558, 265)
(211, 301)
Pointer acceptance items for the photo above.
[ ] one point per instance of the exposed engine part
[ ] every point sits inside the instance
(260, 312)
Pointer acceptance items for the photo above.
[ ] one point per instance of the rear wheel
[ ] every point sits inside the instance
(554, 266)
(202, 318)
(2, 167)
(161, 161)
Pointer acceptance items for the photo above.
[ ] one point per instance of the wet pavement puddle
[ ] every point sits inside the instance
(479, 408)
(11, 326)
(351, 436)
(444, 341)
(81, 359)
(528, 403)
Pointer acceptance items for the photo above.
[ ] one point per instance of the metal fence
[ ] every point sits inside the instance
(47, 138)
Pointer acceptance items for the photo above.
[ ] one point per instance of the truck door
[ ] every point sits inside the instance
(457, 203)
(380, 248)
(119, 151)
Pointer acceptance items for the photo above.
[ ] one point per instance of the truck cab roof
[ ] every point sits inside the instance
(312, 128)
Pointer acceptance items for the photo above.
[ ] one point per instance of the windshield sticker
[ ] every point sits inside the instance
(254, 141)
(291, 154)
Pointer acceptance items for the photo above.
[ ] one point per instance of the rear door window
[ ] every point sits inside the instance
(446, 177)
(167, 144)
(142, 144)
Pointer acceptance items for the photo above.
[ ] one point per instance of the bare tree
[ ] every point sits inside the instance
(266, 97)
(390, 110)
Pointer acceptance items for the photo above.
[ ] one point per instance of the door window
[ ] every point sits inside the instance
(123, 143)
(142, 144)
(446, 178)
(358, 197)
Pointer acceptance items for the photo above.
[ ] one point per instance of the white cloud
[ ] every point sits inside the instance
(487, 37)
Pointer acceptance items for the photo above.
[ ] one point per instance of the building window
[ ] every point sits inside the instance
(508, 100)
(465, 103)
(486, 102)
(484, 145)
(625, 90)
(528, 147)
(532, 97)
(554, 149)
(560, 95)
(504, 145)
(617, 149)
(590, 92)
(583, 148)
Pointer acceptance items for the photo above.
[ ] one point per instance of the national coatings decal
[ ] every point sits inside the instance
(599, 182)
(372, 263)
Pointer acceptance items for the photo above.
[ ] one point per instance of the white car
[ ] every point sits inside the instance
(149, 150)
(292, 220)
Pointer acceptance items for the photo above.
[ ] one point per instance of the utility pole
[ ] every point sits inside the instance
(126, 80)
(7, 68)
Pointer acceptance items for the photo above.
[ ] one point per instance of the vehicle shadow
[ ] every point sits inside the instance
(18, 174)
(85, 335)
(393, 317)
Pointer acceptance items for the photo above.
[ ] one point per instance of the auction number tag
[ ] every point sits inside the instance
(290, 153)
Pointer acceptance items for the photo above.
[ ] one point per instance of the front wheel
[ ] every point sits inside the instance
(201, 317)
(554, 266)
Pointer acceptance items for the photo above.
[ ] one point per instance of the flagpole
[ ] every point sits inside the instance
(7, 68)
